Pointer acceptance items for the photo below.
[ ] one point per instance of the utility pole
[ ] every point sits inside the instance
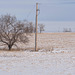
(36, 27)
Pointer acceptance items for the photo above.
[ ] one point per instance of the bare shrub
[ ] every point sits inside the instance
(49, 49)
(67, 30)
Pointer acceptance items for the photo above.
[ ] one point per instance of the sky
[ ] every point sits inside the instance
(50, 10)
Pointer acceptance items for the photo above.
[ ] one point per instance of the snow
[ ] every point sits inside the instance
(37, 63)
(56, 56)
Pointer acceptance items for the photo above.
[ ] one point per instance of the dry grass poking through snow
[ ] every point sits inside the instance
(48, 41)
(58, 62)
(36, 63)
(51, 41)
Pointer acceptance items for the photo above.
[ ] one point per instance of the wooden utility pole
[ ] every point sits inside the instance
(36, 27)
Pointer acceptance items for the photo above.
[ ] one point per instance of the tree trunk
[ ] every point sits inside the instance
(9, 46)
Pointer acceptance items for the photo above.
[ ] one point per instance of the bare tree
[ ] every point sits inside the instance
(12, 31)
(67, 30)
(29, 26)
(41, 27)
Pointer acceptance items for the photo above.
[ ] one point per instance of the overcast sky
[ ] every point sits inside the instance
(50, 10)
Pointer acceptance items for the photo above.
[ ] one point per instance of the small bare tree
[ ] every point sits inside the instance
(12, 31)
(41, 27)
(29, 26)
(67, 30)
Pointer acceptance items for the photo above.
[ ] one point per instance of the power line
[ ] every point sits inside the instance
(30, 12)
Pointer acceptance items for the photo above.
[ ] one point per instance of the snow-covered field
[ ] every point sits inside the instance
(61, 61)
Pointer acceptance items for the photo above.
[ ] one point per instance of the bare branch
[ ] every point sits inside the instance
(12, 31)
